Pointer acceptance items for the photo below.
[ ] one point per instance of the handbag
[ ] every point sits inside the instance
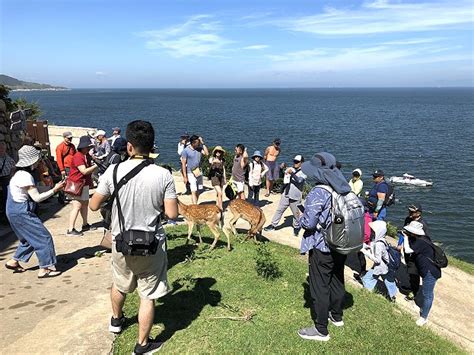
(74, 188)
(132, 242)
(197, 172)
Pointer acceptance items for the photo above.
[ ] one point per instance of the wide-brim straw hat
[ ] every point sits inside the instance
(27, 156)
(218, 149)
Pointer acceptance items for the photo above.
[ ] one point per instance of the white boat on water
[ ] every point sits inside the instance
(408, 179)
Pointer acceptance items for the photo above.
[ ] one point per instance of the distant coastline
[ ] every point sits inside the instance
(46, 89)
(18, 85)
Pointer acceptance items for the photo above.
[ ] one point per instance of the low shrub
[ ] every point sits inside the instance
(265, 264)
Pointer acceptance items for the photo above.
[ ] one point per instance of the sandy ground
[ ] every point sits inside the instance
(69, 314)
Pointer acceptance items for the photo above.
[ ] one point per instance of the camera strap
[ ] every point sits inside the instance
(123, 181)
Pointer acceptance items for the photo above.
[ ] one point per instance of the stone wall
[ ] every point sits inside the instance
(13, 140)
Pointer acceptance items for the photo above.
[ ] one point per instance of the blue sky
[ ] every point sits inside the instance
(226, 43)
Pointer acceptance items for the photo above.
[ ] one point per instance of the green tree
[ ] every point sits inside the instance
(22, 104)
(4, 95)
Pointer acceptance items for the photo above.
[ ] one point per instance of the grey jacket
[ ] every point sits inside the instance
(294, 190)
(379, 253)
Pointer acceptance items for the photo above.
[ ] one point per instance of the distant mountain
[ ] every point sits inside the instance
(15, 84)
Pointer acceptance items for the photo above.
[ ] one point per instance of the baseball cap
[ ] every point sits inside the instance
(67, 134)
(378, 173)
(298, 158)
(416, 207)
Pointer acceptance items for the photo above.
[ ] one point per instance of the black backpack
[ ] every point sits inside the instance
(440, 259)
(390, 195)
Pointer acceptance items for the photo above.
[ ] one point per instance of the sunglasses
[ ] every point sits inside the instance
(296, 161)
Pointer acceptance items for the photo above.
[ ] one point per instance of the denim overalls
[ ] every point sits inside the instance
(30, 231)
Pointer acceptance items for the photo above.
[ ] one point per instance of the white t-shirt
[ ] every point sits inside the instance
(18, 184)
(142, 198)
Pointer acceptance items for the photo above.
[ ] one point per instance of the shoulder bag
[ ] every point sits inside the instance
(133, 242)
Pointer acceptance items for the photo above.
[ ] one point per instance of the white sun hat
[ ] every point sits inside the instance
(415, 228)
(27, 155)
(100, 132)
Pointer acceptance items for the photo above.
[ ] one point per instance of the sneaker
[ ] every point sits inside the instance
(421, 321)
(311, 333)
(296, 231)
(87, 227)
(150, 348)
(74, 233)
(116, 324)
(337, 323)
(269, 228)
(171, 222)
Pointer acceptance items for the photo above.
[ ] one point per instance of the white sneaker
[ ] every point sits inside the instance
(337, 323)
(421, 321)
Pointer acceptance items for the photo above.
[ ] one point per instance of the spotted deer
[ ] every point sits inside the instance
(252, 214)
(202, 214)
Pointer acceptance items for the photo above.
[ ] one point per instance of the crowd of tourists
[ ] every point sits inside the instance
(141, 196)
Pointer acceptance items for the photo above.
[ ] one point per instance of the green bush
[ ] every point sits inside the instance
(265, 264)
(392, 230)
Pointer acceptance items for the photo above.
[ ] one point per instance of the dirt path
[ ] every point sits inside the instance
(63, 315)
(69, 314)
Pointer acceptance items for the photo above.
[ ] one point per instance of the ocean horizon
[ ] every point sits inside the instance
(422, 131)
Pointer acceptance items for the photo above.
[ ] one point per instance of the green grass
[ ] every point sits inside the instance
(461, 265)
(210, 286)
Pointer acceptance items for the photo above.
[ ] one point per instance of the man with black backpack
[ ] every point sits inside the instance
(380, 196)
(291, 195)
(141, 193)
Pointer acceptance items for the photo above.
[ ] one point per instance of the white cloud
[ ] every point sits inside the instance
(197, 37)
(350, 59)
(256, 47)
(384, 16)
(414, 41)
(100, 73)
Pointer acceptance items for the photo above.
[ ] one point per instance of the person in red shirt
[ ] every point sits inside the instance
(64, 153)
(80, 172)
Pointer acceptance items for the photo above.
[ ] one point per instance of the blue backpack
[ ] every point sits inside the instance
(394, 257)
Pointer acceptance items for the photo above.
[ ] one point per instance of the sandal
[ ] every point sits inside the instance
(16, 269)
(49, 274)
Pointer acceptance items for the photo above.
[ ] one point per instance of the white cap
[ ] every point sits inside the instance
(357, 171)
(298, 157)
(415, 227)
(100, 132)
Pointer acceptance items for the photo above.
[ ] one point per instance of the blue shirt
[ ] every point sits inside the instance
(193, 158)
(382, 188)
(317, 213)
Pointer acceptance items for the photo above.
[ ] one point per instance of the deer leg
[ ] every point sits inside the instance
(190, 231)
(259, 227)
(232, 223)
(198, 226)
(226, 232)
(216, 233)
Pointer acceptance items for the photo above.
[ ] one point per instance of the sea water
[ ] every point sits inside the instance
(424, 132)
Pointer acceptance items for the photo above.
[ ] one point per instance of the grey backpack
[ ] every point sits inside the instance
(346, 232)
